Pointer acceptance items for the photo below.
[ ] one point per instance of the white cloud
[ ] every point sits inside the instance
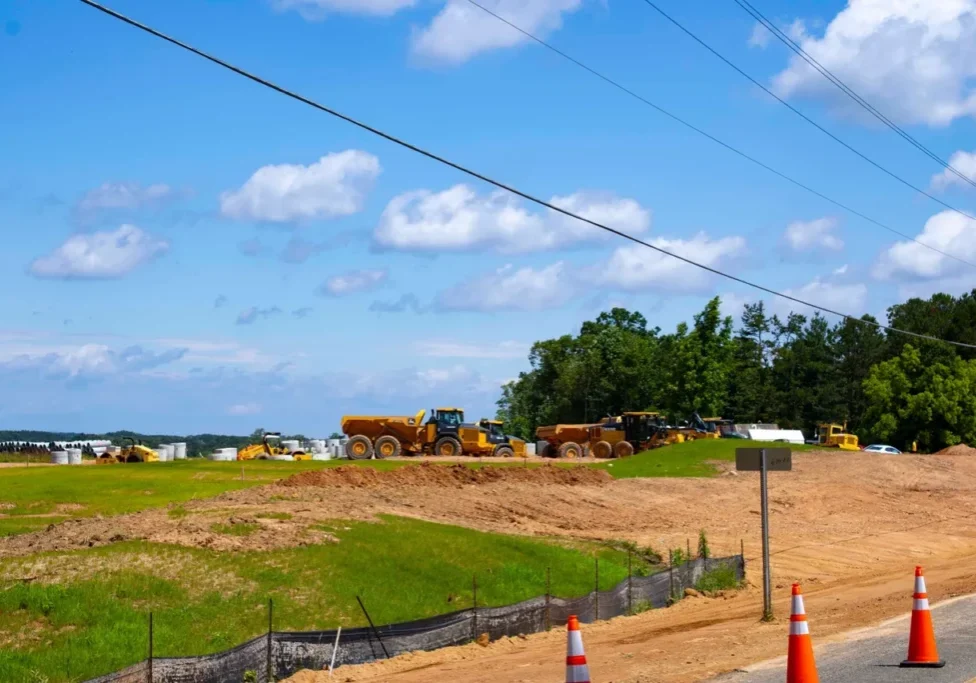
(93, 360)
(335, 185)
(244, 409)
(914, 60)
(127, 195)
(447, 349)
(461, 30)
(459, 219)
(635, 267)
(965, 163)
(353, 282)
(949, 232)
(842, 270)
(843, 298)
(253, 314)
(760, 36)
(314, 10)
(511, 289)
(100, 254)
(815, 234)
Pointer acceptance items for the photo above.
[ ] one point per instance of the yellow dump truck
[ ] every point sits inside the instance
(503, 445)
(564, 441)
(387, 436)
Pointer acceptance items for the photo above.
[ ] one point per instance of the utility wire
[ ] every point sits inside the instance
(502, 186)
(826, 73)
(803, 116)
(734, 150)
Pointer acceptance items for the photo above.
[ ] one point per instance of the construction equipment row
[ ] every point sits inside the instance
(624, 435)
(444, 433)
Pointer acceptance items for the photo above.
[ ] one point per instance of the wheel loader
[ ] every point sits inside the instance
(269, 447)
(130, 451)
(504, 446)
(387, 436)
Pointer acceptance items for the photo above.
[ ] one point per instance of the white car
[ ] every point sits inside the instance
(881, 448)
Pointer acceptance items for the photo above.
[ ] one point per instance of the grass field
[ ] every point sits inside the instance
(688, 459)
(93, 618)
(33, 497)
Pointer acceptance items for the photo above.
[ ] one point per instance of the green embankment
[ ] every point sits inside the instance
(94, 619)
(688, 459)
(33, 497)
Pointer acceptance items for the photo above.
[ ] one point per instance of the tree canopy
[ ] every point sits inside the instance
(797, 372)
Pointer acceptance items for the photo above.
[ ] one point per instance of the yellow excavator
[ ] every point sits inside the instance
(130, 451)
(270, 446)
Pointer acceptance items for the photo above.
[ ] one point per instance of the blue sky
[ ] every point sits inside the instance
(189, 252)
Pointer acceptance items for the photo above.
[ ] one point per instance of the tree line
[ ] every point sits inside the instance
(796, 371)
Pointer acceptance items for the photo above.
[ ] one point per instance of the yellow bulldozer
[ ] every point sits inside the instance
(836, 436)
(129, 451)
(387, 436)
(271, 446)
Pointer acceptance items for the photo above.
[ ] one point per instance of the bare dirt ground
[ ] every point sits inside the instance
(849, 526)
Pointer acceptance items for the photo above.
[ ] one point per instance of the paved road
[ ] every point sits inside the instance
(872, 656)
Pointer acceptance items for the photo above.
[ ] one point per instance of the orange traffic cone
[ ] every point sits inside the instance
(800, 665)
(576, 669)
(921, 642)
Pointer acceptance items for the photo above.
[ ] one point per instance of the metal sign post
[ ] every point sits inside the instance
(764, 460)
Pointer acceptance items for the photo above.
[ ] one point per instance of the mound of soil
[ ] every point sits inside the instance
(958, 449)
(447, 476)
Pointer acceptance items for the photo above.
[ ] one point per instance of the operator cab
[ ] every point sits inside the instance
(496, 433)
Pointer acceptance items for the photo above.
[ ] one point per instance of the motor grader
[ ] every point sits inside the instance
(130, 451)
(622, 436)
(505, 446)
(387, 436)
(269, 447)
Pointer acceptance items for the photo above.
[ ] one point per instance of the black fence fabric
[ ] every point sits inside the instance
(278, 655)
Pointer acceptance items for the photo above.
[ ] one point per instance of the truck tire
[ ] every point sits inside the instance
(549, 451)
(503, 451)
(602, 449)
(623, 449)
(447, 446)
(387, 447)
(359, 447)
(570, 449)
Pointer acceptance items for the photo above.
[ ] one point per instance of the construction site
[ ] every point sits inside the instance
(849, 526)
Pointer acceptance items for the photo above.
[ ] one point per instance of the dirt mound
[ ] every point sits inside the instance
(447, 476)
(958, 449)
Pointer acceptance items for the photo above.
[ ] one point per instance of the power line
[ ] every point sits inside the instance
(803, 116)
(502, 186)
(718, 141)
(826, 73)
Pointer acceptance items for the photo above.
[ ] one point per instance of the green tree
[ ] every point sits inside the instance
(858, 346)
(913, 400)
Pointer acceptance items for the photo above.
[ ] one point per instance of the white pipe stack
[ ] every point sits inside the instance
(179, 451)
(74, 456)
(59, 457)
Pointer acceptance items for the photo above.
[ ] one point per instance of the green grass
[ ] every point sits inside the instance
(206, 601)
(687, 459)
(36, 493)
(718, 579)
(239, 529)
